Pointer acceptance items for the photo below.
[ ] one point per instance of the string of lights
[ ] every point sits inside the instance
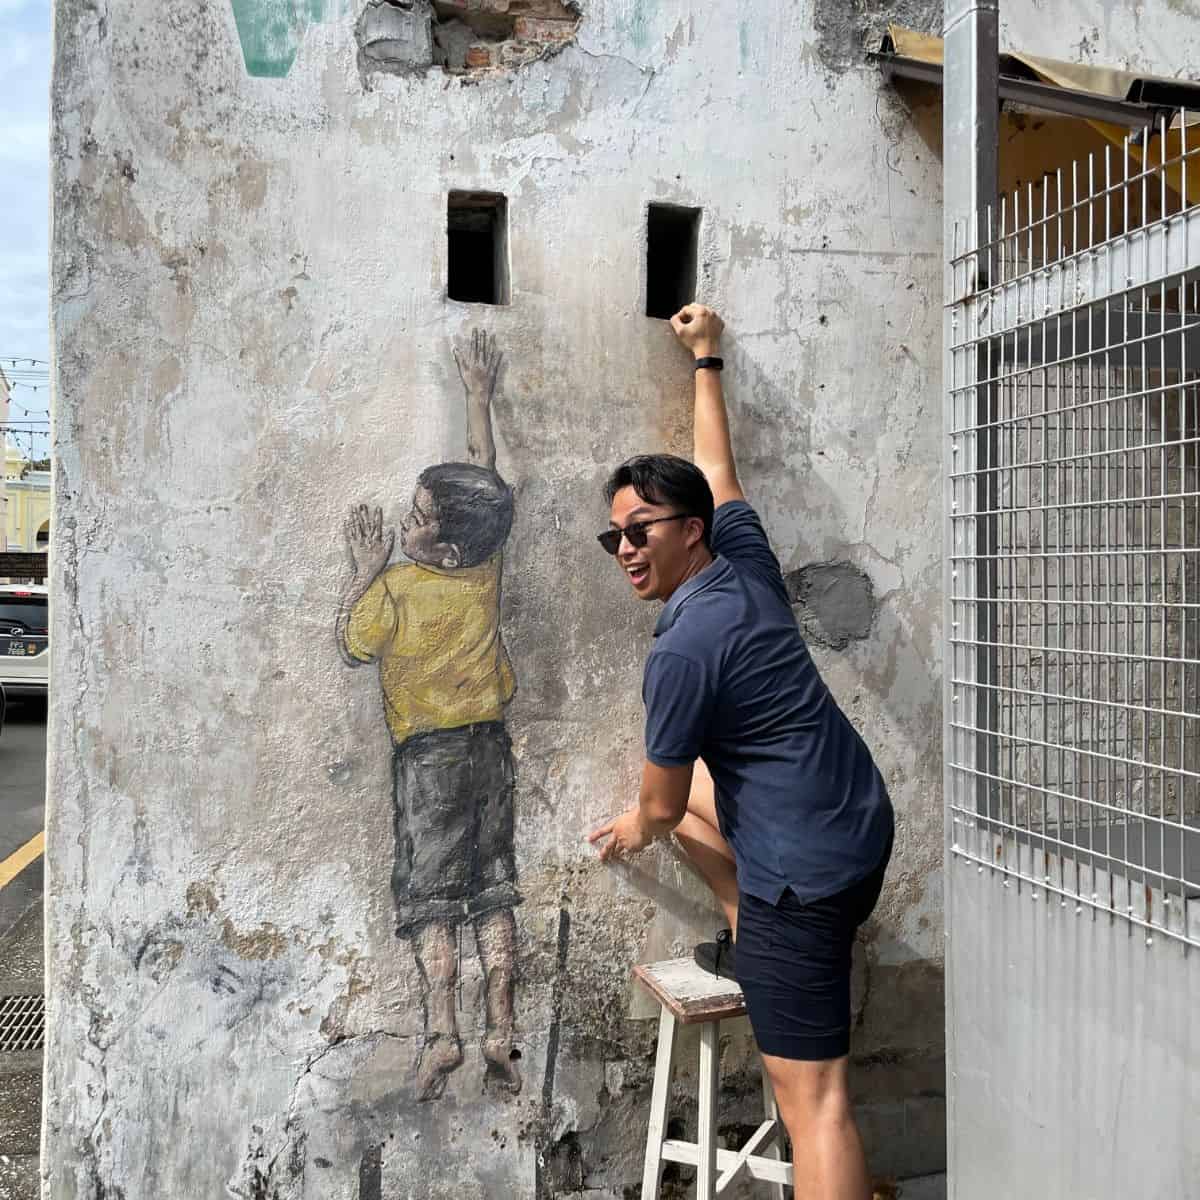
(27, 429)
(31, 374)
(27, 412)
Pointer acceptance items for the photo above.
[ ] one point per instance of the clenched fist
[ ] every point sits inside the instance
(699, 329)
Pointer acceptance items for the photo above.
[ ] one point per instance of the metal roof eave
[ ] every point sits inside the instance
(1030, 93)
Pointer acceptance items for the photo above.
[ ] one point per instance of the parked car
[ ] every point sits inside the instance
(24, 639)
(3, 706)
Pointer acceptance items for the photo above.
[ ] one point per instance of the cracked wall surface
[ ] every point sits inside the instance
(251, 335)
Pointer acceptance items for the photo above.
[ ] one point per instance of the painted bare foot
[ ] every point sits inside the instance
(441, 1055)
(502, 1065)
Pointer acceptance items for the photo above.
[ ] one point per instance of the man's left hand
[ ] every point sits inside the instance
(626, 835)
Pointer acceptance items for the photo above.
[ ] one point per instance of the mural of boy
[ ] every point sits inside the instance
(432, 626)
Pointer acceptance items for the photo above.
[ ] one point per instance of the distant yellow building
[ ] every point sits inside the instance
(27, 515)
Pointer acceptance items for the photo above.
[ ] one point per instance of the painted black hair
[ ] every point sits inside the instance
(474, 509)
(666, 479)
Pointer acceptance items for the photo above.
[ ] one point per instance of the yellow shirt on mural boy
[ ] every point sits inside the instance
(436, 635)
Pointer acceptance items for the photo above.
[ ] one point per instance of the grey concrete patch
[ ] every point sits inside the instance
(846, 32)
(835, 602)
(395, 36)
(19, 1177)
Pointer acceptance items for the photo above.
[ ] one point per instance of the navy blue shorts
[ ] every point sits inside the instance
(793, 962)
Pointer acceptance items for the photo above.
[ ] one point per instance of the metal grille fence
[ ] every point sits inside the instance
(1073, 379)
(22, 1023)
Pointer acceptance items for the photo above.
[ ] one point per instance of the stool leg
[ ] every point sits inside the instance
(706, 1137)
(771, 1111)
(659, 1098)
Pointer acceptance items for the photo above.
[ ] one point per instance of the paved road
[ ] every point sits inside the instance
(22, 811)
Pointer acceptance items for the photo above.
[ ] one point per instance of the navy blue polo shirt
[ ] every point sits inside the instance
(730, 680)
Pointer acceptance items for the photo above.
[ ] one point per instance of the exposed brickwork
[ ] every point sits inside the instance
(475, 36)
(544, 29)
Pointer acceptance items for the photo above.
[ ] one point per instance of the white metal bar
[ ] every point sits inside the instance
(1073, 540)
(1116, 268)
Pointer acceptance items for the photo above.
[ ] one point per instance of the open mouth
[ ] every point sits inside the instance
(638, 574)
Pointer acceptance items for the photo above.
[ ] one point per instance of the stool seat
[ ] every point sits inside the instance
(690, 995)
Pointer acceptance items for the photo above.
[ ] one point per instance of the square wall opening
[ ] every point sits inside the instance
(477, 233)
(672, 251)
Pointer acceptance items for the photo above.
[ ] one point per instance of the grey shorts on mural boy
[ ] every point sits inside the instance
(453, 823)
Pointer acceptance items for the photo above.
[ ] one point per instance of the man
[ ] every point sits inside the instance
(790, 824)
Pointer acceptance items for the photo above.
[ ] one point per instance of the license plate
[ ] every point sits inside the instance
(19, 649)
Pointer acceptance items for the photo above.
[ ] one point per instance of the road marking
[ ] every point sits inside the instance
(16, 862)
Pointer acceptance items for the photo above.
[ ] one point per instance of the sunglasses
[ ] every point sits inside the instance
(635, 534)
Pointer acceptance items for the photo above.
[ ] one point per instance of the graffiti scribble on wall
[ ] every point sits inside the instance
(432, 627)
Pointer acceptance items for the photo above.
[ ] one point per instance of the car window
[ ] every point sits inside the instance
(29, 613)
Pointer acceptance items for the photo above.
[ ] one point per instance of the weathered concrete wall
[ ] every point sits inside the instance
(252, 335)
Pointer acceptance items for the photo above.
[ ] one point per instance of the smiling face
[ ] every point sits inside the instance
(673, 552)
(420, 534)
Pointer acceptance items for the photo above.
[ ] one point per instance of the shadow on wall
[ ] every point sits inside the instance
(431, 626)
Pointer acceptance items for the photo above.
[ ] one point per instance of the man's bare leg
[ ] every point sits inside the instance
(437, 962)
(707, 851)
(496, 937)
(814, 1101)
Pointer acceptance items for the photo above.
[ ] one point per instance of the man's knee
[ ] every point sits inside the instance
(808, 1091)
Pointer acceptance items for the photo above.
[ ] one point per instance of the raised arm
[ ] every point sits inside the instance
(700, 329)
(478, 365)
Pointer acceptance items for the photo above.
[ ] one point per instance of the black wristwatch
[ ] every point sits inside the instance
(711, 362)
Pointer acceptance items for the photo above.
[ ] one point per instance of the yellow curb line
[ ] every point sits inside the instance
(16, 862)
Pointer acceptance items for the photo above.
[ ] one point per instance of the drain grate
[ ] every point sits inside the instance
(22, 1023)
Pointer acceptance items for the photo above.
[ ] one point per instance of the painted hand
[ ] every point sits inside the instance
(369, 543)
(626, 835)
(699, 329)
(479, 364)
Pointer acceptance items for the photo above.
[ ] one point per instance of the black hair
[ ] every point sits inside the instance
(474, 509)
(666, 479)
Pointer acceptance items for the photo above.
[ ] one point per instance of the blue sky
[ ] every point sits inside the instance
(25, 197)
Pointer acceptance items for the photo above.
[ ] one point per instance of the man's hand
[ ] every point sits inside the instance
(479, 364)
(370, 545)
(626, 835)
(699, 329)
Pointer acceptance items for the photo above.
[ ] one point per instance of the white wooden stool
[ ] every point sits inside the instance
(689, 995)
